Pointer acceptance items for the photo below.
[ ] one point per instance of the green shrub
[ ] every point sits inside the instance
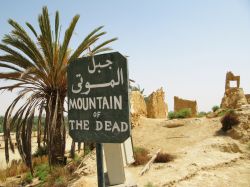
(41, 151)
(171, 115)
(201, 114)
(215, 108)
(229, 120)
(183, 113)
(42, 171)
(87, 151)
(27, 178)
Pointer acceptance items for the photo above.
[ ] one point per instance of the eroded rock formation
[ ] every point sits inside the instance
(138, 107)
(184, 103)
(234, 97)
(242, 130)
(137, 104)
(156, 105)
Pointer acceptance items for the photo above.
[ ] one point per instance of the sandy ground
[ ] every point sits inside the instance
(203, 158)
(16, 156)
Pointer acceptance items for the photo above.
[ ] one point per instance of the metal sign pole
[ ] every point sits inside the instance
(99, 160)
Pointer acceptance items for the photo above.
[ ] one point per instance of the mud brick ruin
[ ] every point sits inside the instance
(156, 106)
(183, 103)
(231, 77)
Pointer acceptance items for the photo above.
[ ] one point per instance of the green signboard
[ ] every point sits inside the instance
(98, 103)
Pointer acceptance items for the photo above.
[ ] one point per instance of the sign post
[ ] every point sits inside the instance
(99, 160)
(98, 103)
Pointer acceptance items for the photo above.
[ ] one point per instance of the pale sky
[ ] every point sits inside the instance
(184, 46)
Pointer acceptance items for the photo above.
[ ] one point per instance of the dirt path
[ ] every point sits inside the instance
(203, 158)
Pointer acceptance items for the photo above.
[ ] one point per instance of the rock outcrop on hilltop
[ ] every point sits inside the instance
(138, 107)
(137, 103)
(156, 105)
(234, 97)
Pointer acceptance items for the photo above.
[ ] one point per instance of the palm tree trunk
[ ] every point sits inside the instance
(72, 150)
(57, 136)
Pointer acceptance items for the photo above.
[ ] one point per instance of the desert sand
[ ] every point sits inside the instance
(203, 158)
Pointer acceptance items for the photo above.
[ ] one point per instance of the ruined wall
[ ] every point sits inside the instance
(248, 98)
(137, 104)
(183, 103)
(156, 105)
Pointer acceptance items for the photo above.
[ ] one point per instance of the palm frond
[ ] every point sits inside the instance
(86, 43)
(56, 26)
(94, 51)
(67, 37)
(32, 29)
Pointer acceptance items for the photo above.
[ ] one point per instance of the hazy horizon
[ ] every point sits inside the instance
(186, 47)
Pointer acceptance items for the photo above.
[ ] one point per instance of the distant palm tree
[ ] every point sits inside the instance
(37, 67)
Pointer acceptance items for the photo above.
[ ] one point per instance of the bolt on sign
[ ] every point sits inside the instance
(98, 103)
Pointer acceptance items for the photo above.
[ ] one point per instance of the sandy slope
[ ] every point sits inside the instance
(203, 158)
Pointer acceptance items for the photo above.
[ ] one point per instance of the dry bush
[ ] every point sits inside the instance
(164, 157)
(141, 156)
(3, 176)
(229, 120)
(16, 168)
(72, 167)
(39, 160)
(59, 177)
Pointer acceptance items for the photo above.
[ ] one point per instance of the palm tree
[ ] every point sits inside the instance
(37, 67)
